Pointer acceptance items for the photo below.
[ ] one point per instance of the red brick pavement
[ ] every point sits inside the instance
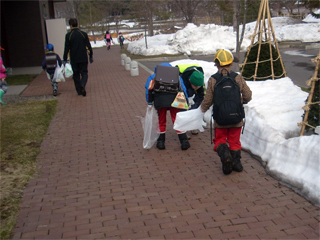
(97, 182)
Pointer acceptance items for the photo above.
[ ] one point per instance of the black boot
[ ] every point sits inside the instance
(160, 141)
(184, 141)
(226, 158)
(236, 164)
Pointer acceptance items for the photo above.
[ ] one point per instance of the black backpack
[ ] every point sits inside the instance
(227, 106)
(51, 61)
(167, 79)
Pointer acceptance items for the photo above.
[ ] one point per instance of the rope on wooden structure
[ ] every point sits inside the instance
(264, 34)
(311, 82)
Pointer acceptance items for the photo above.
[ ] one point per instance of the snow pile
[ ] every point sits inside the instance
(206, 39)
(156, 45)
(309, 18)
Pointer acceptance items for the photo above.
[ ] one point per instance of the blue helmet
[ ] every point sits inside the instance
(49, 47)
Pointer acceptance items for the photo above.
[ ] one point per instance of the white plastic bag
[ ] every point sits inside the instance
(189, 120)
(150, 125)
(58, 74)
(68, 70)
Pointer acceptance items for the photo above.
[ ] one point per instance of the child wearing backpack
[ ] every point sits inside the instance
(50, 63)
(162, 101)
(121, 40)
(108, 39)
(227, 91)
(3, 75)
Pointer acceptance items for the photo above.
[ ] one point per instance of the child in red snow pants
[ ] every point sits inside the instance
(230, 135)
(162, 113)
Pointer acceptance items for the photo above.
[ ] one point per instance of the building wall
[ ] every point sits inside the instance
(23, 33)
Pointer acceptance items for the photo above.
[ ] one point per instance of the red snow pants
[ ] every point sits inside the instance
(162, 114)
(227, 135)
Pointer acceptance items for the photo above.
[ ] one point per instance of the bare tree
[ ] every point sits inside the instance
(239, 6)
(225, 9)
(188, 8)
(211, 8)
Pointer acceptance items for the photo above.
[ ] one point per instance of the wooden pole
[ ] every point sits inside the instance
(276, 44)
(253, 36)
(269, 41)
(268, 31)
(313, 85)
(263, 3)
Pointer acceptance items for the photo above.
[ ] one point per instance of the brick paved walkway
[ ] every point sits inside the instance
(97, 182)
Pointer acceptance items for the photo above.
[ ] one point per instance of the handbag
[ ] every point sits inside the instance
(150, 125)
(58, 74)
(68, 70)
(189, 120)
(180, 101)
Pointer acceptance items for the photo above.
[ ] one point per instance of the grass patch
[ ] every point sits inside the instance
(133, 57)
(20, 79)
(306, 89)
(23, 128)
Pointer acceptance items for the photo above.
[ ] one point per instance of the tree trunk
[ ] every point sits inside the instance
(92, 29)
(237, 28)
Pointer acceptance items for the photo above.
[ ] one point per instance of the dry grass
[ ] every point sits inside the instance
(23, 128)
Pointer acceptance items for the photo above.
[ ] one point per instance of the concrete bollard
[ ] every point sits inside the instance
(123, 57)
(134, 68)
(127, 63)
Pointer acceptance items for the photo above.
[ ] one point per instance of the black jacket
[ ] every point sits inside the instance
(199, 93)
(77, 44)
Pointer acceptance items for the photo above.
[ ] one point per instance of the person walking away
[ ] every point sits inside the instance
(225, 90)
(3, 75)
(108, 39)
(49, 63)
(78, 47)
(121, 40)
(193, 79)
(162, 103)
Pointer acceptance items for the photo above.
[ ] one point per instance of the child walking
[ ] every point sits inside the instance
(108, 39)
(49, 63)
(227, 133)
(3, 75)
(121, 40)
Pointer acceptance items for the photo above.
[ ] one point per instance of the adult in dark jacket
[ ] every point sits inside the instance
(162, 103)
(78, 46)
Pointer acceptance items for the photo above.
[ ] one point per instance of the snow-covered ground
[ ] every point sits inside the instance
(207, 39)
(271, 130)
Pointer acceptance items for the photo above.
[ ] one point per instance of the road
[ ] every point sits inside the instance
(297, 62)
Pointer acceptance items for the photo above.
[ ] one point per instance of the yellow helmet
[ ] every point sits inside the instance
(224, 56)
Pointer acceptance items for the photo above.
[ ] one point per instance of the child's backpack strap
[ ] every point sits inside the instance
(219, 76)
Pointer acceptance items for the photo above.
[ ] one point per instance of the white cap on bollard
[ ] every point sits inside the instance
(134, 68)
(127, 63)
(123, 57)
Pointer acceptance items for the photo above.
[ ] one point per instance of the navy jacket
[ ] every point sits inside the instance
(199, 93)
(44, 65)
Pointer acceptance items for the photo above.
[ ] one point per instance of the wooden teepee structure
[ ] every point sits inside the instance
(264, 34)
(312, 82)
